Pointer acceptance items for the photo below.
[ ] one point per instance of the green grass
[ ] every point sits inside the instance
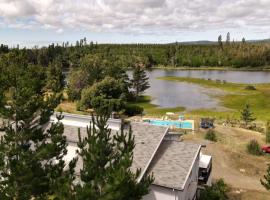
(234, 98)
(198, 113)
(154, 110)
(232, 87)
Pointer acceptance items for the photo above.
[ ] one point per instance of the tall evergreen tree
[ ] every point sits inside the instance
(139, 81)
(243, 40)
(247, 115)
(31, 151)
(267, 132)
(266, 179)
(220, 41)
(55, 76)
(107, 159)
(228, 38)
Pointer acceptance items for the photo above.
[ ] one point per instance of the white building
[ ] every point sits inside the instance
(174, 164)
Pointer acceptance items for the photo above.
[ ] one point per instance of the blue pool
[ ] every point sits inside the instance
(177, 124)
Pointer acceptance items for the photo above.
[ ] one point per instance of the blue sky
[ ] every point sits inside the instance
(36, 22)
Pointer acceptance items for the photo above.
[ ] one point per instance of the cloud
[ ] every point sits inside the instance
(136, 16)
(16, 8)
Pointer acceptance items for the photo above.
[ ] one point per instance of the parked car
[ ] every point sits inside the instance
(207, 123)
(266, 149)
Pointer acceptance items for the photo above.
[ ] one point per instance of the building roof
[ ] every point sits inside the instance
(173, 162)
(170, 161)
(147, 140)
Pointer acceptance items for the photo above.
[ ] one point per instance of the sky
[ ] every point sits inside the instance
(40, 22)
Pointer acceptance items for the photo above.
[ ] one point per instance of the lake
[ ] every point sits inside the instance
(168, 94)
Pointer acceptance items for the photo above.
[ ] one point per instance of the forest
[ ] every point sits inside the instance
(216, 54)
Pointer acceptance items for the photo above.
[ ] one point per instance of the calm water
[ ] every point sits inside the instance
(172, 94)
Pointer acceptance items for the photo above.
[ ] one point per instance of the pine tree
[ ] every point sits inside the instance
(267, 132)
(266, 180)
(107, 159)
(220, 41)
(243, 40)
(247, 115)
(139, 81)
(31, 151)
(228, 38)
(55, 76)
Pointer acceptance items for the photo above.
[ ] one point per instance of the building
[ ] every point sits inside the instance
(175, 164)
(175, 168)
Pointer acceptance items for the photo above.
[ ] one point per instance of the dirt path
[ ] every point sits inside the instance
(230, 159)
(222, 168)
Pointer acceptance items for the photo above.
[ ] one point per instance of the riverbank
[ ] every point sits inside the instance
(219, 68)
(236, 96)
(150, 109)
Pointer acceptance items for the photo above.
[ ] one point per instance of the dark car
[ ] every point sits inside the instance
(207, 123)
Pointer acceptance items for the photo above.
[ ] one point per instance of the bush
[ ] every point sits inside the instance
(210, 135)
(253, 147)
(250, 87)
(217, 191)
(131, 110)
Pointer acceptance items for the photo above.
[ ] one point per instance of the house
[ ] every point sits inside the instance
(175, 164)
(175, 168)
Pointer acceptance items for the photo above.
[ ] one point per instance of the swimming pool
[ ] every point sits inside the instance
(177, 124)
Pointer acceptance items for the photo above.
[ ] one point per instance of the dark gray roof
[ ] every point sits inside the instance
(147, 140)
(172, 163)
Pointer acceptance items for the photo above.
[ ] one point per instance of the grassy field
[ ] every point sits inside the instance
(154, 110)
(69, 107)
(144, 101)
(231, 161)
(234, 98)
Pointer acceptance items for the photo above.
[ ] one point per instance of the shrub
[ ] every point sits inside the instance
(131, 110)
(217, 191)
(250, 87)
(253, 147)
(210, 135)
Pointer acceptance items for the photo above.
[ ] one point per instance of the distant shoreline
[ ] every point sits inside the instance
(265, 68)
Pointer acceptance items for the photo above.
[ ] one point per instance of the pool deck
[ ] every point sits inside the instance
(159, 119)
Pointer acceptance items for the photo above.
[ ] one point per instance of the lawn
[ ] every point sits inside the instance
(234, 98)
(69, 107)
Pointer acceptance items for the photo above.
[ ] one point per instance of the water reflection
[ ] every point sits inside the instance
(192, 96)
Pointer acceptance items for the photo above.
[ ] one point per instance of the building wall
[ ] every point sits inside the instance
(191, 185)
(161, 193)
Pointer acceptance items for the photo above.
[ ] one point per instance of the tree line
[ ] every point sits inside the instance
(221, 53)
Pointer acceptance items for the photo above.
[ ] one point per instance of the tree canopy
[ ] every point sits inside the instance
(104, 96)
(139, 81)
(31, 152)
(107, 158)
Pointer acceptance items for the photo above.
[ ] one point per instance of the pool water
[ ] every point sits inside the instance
(177, 124)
